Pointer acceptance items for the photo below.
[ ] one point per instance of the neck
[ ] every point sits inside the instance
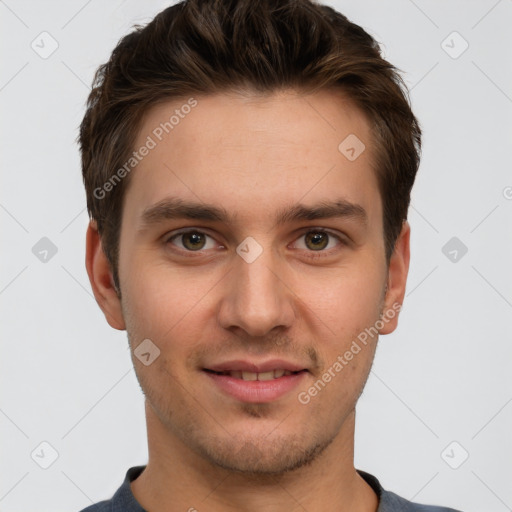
(176, 479)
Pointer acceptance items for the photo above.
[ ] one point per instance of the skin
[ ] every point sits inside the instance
(253, 156)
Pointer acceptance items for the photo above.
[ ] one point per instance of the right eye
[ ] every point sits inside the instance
(191, 240)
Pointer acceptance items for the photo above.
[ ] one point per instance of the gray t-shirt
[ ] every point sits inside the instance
(124, 500)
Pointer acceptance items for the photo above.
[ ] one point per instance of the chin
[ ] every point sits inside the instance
(266, 458)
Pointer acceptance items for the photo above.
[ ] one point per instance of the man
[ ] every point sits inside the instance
(248, 168)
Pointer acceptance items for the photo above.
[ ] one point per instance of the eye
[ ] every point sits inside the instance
(318, 240)
(192, 240)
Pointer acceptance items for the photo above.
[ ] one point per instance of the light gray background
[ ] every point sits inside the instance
(443, 376)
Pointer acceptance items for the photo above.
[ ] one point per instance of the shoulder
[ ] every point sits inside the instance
(102, 506)
(123, 500)
(390, 502)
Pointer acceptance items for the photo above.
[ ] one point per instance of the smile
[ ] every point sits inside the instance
(251, 376)
(253, 387)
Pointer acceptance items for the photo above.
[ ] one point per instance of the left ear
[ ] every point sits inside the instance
(397, 279)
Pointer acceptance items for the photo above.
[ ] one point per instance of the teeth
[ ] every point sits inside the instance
(274, 374)
(265, 375)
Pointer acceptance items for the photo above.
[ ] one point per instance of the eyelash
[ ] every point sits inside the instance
(313, 254)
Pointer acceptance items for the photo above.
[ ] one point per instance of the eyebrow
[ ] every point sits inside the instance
(176, 208)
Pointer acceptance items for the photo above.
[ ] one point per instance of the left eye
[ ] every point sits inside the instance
(317, 240)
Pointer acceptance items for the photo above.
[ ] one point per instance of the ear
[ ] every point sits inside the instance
(100, 276)
(397, 279)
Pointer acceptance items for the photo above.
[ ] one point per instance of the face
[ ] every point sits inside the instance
(249, 236)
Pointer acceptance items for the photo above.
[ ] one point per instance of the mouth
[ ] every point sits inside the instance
(255, 387)
(252, 376)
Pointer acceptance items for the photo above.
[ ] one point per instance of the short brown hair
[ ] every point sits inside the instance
(213, 46)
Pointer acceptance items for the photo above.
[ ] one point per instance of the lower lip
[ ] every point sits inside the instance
(257, 391)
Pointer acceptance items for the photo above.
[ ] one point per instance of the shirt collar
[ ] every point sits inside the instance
(124, 499)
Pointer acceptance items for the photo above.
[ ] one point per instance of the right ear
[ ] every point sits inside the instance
(100, 276)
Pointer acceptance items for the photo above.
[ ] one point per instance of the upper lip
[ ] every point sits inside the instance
(248, 366)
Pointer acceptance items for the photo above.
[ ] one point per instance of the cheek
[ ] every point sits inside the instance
(341, 311)
(165, 304)
(343, 298)
(151, 287)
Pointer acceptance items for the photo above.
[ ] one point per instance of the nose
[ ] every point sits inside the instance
(256, 297)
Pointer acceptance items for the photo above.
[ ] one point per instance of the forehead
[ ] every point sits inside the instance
(253, 155)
